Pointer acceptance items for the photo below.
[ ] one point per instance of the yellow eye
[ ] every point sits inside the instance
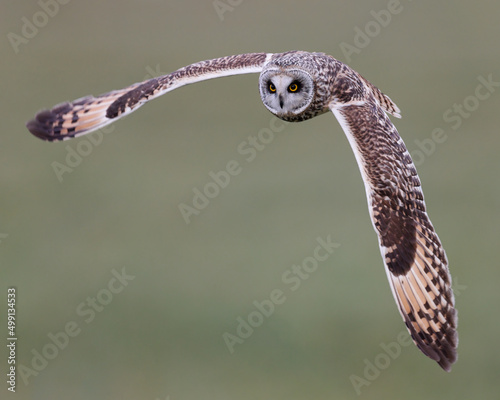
(293, 87)
(272, 88)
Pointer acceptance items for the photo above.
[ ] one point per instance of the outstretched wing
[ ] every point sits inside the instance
(414, 259)
(68, 120)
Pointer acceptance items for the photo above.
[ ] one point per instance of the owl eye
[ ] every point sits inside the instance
(293, 87)
(272, 88)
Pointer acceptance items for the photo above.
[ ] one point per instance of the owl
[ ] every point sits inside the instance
(296, 86)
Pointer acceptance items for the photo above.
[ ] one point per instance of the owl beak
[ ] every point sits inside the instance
(281, 101)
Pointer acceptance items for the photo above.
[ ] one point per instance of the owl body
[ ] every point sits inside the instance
(296, 86)
(332, 83)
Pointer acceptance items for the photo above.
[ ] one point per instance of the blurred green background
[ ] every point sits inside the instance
(161, 337)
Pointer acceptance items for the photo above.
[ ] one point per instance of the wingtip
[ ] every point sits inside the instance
(449, 359)
(43, 125)
(39, 128)
(446, 367)
(447, 363)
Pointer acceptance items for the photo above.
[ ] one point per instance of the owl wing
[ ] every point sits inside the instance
(87, 114)
(415, 261)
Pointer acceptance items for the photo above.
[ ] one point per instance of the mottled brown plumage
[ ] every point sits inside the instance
(297, 86)
(414, 258)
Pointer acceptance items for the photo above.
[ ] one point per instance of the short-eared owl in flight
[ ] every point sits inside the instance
(296, 86)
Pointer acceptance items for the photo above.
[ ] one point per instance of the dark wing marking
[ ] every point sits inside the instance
(88, 114)
(415, 261)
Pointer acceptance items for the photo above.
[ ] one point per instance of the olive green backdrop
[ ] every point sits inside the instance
(74, 215)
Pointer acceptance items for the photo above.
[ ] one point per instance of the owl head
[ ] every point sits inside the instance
(287, 92)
